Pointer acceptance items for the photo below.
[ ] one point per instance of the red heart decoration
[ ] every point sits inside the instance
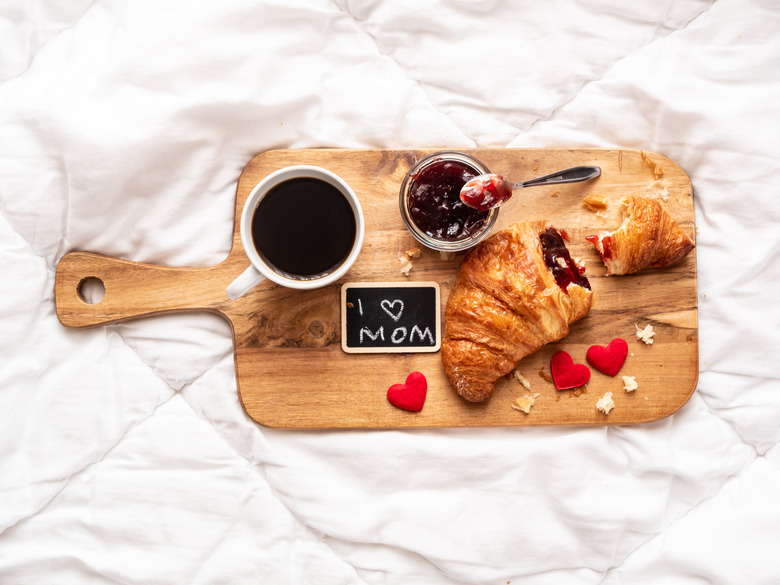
(608, 359)
(410, 395)
(566, 374)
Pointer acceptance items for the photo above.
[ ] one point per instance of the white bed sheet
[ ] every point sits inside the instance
(125, 456)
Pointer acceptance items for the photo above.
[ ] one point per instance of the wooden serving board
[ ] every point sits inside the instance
(291, 370)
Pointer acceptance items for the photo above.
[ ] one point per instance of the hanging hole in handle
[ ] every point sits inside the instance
(91, 290)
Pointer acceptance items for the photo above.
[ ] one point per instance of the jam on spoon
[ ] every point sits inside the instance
(485, 192)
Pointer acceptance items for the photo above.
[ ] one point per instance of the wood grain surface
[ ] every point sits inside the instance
(291, 370)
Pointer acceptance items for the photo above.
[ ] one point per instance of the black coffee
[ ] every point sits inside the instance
(304, 228)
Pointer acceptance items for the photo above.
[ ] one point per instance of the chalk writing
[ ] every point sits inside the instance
(380, 334)
(388, 306)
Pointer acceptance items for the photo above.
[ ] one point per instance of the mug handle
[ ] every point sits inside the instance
(246, 281)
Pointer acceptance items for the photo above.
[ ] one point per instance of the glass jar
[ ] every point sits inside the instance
(430, 203)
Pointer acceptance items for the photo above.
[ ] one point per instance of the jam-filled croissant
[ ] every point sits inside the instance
(515, 292)
(648, 237)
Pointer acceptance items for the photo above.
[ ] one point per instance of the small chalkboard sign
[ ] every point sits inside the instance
(390, 317)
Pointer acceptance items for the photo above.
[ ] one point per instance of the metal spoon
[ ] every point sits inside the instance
(485, 192)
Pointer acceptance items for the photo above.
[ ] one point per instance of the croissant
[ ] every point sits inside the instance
(516, 291)
(648, 237)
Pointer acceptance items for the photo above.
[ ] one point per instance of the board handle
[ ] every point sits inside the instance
(131, 289)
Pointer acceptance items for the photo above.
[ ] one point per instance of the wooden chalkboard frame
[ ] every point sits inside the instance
(392, 285)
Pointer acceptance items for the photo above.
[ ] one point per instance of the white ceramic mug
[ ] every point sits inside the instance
(261, 267)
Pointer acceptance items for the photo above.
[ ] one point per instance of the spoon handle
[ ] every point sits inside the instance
(572, 175)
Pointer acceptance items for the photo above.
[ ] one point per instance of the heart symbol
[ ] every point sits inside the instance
(566, 374)
(410, 395)
(608, 359)
(387, 306)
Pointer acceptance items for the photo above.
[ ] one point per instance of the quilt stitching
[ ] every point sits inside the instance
(401, 68)
(36, 50)
(610, 68)
(257, 467)
(67, 479)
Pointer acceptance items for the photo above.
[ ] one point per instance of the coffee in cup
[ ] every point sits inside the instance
(301, 227)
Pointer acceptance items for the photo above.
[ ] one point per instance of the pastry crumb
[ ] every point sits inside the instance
(605, 403)
(544, 374)
(595, 202)
(406, 259)
(521, 379)
(658, 170)
(629, 383)
(524, 403)
(406, 265)
(555, 193)
(646, 334)
(658, 190)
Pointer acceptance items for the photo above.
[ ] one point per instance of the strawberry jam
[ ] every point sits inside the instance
(559, 261)
(435, 205)
(606, 245)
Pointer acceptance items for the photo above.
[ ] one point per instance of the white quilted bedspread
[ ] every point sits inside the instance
(125, 456)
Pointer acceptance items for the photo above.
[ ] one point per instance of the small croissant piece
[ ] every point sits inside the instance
(516, 291)
(648, 237)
